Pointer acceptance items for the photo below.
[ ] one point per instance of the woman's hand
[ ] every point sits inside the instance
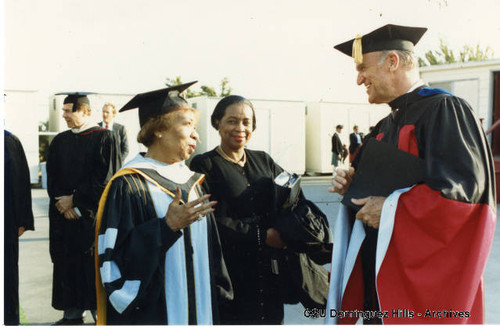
(180, 215)
(273, 239)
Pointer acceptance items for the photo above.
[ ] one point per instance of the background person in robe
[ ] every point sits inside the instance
(159, 258)
(337, 148)
(108, 116)
(80, 163)
(18, 217)
(241, 180)
(424, 247)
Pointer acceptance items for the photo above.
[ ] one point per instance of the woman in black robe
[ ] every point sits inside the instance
(158, 256)
(241, 180)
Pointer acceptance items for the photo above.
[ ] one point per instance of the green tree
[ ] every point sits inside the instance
(205, 90)
(225, 89)
(445, 55)
(43, 141)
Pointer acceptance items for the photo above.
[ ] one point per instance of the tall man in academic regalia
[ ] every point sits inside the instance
(80, 163)
(18, 217)
(418, 255)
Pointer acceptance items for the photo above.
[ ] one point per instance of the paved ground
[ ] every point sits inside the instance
(36, 267)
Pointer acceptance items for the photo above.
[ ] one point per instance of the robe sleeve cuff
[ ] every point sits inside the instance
(168, 237)
(76, 199)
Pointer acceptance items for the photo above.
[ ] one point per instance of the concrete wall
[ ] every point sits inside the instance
(21, 119)
(321, 120)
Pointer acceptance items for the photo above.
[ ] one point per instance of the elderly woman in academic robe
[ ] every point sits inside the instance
(158, 256)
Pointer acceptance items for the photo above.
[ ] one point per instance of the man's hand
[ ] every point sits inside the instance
(341, 181)
(20, 231)
(64, 203)
(372, 208)
(70, 214)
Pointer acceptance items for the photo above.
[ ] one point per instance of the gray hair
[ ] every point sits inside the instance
(407, 58)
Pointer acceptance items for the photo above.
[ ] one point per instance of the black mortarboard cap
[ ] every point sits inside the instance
(388, 37)
(76, 98)
(382, 169)
(158, 102)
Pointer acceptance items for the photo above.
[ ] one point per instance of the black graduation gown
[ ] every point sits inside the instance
(459, 184)
(17, 213)
(243, 214)
(78, 164)
(142, 240)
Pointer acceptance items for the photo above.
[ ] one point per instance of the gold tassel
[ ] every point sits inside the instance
(357, 50)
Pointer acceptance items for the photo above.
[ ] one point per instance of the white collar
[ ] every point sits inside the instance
(177, 172)
(417, 84)
(84, 127)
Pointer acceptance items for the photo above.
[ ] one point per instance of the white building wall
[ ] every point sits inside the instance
(313, 136)
(323, 117)
(21, 119)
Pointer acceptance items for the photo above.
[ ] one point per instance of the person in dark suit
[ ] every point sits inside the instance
(337, 148)
(354, 143)
(108, 115)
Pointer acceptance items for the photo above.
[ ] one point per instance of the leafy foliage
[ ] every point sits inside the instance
(445, 55)
(225, 89)
(43, 141)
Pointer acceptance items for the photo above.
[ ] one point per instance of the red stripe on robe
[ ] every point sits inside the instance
(354, 300)
(437, 255)
(436, 258)
(407, 141)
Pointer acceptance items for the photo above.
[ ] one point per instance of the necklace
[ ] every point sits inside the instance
(223, 154)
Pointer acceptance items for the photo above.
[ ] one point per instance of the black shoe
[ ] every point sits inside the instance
(68, 322)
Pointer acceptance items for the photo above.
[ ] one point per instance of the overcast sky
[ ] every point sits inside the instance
(268, 49)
